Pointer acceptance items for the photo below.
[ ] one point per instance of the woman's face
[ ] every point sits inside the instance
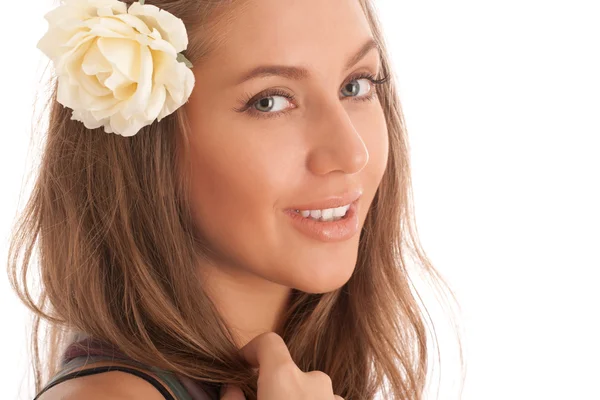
(253, 161)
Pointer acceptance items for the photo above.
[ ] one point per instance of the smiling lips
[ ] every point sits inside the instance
(329, 227)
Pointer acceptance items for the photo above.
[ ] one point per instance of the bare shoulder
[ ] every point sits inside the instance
(114, 385)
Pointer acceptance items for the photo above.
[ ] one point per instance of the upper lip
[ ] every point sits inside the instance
(345, 198)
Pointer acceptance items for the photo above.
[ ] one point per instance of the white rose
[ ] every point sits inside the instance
(117, 67)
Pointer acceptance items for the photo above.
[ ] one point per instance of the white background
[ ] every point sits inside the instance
(502, 102)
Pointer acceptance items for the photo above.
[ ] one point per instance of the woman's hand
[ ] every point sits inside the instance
(278, 376)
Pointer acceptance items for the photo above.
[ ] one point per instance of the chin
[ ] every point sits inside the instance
(315, 290)
(317, 283)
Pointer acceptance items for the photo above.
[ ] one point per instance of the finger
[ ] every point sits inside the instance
(267, 351)
(336, 397)
(321, 378)
(229, 392)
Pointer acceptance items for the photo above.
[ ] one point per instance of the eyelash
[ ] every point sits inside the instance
(249, 101)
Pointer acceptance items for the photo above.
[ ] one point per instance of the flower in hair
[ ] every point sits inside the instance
(118, 67)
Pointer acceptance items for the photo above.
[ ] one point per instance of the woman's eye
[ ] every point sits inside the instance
(271, 103)
(354, 89)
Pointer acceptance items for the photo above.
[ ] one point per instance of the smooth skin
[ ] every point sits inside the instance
(247, 170)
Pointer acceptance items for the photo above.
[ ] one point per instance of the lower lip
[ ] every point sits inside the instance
(331, 231)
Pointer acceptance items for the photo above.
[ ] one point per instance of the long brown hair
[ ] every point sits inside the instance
(110, 222)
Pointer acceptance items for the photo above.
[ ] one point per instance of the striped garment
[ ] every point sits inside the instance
(87, 351)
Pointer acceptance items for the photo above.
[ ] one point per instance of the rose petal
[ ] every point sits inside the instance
(77, 38)
(103, 106)
(94, 62)
(123, 55)
(48, 43)
(185, 86)
(65, 17)
(109, 27)
(91, 6)
(71, 61)
(127, 126)
(88, 120)
(156, 102)
(171, 28)
(125, 92)
(91, 85)
(116, 80)
(108, 111)
(164, 74)
(164, 46)
(103, 76)
(66, 93)
(135, 22)
(85, 97)
(76, 69)
(105, 11)
(139, 100)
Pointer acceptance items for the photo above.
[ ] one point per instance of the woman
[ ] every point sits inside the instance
(253, 231)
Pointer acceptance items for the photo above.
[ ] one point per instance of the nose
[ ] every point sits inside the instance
(337, 146)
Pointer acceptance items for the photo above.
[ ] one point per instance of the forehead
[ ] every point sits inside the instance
(294, 32)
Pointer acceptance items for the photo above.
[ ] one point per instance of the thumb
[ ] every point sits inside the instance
(229, 392)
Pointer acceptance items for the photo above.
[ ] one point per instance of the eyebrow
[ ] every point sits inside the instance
(298, 73)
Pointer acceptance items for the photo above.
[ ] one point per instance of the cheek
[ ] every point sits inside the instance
(235, 185)
(376, 140)
(226, 198)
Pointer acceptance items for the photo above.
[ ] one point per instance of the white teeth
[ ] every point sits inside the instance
(340, 211)
(328, 214)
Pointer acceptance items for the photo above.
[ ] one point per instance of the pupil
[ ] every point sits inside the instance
(350, 85)
(265, 102)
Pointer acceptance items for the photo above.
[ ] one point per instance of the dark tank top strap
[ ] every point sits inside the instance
(98, 370)
(92, 351)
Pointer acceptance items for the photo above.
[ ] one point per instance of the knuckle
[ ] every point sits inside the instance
(274, 342)
(273, 338)
(321, 378)
(286, 374)
(287, 370)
